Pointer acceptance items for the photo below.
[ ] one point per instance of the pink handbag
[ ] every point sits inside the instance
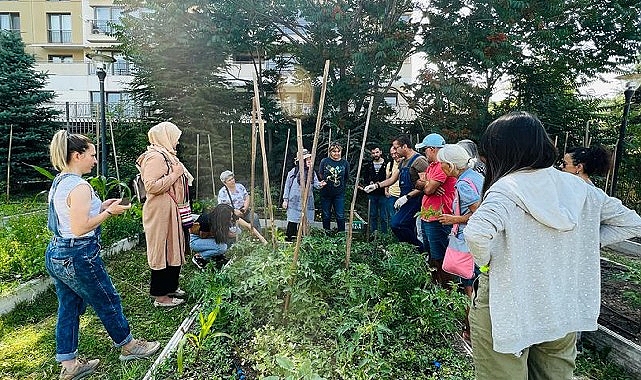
(458, 259)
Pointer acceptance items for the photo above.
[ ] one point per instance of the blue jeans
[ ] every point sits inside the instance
(80, 278)
(436, 235)
(337, 202)
(207, 248)
(378, 213)
(390, 208)
(404, 222)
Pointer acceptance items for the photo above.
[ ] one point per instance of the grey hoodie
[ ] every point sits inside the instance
(540, 232)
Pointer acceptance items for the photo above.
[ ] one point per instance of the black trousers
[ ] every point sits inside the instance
(164, 281)
(291, 232)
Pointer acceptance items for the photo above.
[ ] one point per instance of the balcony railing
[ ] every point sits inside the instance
(60, 36)
(75, 112)
(107, 27)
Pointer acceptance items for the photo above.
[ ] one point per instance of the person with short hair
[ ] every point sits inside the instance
(472, 149)
(237, 196)
(334, 171)
(73, 261)
(409, 203)
(536, 237)
(374, 171)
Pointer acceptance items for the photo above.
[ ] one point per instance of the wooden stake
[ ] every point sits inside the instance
(302, 227)
(9, 161)
(211, 166)
(113, 145)
(565, 146)
(282, 176)
(261, 127)
(310, 174)
(329, 140)
(347, 145)
(348, 247)
(252, 181)
(231, 146)
(197, 161)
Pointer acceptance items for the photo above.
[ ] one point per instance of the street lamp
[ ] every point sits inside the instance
(628, 93)
(101, 61)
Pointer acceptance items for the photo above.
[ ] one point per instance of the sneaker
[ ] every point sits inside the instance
(80, 370)
(140, 349)
(220, 261)
(172, 303)
(199, 261)
(177, 293)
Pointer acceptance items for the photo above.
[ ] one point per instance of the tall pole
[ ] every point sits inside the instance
(103, 122)
(629, 91)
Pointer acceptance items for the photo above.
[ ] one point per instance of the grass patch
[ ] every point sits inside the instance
(27, 334)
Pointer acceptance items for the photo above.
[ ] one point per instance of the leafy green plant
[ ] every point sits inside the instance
(198, 340)
(107, 186)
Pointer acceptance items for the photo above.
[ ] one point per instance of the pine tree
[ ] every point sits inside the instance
(23, 106)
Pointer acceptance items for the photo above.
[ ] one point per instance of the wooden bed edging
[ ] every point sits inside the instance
(623, 351)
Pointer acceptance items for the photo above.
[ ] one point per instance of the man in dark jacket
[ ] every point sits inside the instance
(374, 171)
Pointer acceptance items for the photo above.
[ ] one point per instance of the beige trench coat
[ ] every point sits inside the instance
(160, 218)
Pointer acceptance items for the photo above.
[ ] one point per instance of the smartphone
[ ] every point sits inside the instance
(125, 201)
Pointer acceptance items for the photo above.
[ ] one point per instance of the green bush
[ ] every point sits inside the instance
(380, 318)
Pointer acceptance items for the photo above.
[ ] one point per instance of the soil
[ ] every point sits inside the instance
(619, 311)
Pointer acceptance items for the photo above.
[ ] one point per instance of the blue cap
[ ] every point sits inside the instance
(432, 140)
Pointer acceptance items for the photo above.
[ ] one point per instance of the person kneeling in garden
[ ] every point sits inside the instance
(73, 258)
(211, 235)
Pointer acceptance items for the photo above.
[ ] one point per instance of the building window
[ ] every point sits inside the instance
(391, 99)
(60, 58)
(59, 27)
(10, 21)
(105, 20)
(120, 67)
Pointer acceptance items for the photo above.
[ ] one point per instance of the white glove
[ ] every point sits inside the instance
(371, 187)
(400, 202)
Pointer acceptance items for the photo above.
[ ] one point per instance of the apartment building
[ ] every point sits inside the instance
(59, 33)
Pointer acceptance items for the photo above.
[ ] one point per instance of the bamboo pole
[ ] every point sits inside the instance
(211, 166)
(9, 160)
(231, 145)
(261, 127)
(113, 145)
(329, 140)
(347, 144)
(282, 176)
(556, 140)
(565, 145)
(302, 226)
(310, 174)
(252, 176)
(348, 247)
(198, 162)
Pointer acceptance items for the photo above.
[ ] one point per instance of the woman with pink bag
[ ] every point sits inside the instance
(456, 162)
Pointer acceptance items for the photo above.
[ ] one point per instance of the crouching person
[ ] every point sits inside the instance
(212, 235)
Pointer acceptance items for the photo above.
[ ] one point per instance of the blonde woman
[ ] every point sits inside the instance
(166, 180)
(73, 260)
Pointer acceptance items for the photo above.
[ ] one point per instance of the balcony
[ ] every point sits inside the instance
(86, 113)
(103, 30)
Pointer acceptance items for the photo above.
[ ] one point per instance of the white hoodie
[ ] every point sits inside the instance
(540, 231)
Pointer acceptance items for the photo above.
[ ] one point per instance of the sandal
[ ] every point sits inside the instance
(172, 303)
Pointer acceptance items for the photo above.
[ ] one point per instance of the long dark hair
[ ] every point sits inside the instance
(220, 219)
(595, 160)
(513, 142)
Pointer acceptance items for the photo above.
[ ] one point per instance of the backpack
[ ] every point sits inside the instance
(139, 188)
(138, 185)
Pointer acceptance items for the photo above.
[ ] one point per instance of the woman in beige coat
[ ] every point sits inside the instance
(166, 180)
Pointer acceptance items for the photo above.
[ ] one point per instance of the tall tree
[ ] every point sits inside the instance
(367, 43)
(475, 46)
(23, 106)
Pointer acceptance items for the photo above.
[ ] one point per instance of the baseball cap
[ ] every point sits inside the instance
(432, 140)
(227, 174)
(305, 155)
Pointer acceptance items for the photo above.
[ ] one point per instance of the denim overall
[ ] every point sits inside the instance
(404, 222)
(80, 278)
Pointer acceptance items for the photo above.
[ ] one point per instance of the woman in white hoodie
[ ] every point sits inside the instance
(537, 236)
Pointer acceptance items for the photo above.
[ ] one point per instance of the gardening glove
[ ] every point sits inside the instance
(400, 202)
(285, 204)
(371, 187)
